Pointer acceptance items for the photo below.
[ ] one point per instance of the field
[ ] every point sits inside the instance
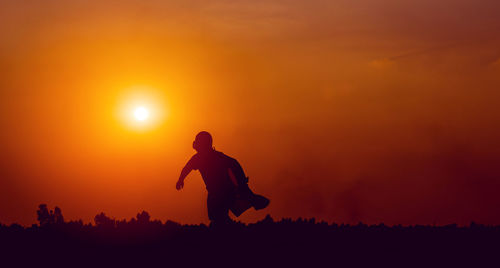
(142, 242)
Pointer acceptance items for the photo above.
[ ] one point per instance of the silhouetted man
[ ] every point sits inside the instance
(225, 181)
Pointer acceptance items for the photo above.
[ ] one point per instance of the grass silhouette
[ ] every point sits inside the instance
(143, 242)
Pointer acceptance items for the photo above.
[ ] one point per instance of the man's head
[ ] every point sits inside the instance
(203, 142)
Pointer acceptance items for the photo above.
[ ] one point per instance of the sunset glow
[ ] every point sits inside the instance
(141, 108)
(346, 111)
(141, 113)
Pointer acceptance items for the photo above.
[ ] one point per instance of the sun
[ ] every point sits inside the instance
(141, 113)
(141, 108)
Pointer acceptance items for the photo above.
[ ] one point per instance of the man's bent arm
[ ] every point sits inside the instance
(190, 165)
(185, 171)
(238, 172)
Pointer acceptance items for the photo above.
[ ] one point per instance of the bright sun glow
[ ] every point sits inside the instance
(141, 113)
(142, 108)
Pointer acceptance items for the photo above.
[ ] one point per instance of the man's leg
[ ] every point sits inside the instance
(218, 209)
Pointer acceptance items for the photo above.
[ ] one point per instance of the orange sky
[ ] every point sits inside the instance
(344, 110)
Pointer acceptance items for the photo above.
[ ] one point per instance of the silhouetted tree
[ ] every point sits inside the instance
(51, 217)
(43, 215)
(58, 217)
(46, 217)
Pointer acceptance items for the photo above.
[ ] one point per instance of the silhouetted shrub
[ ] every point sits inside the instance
(101, 220)
(143, 217)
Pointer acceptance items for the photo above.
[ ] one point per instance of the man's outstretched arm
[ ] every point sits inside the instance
(185, 171)
(180, 183)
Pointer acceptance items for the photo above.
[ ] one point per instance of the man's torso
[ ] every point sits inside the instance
(214, 168)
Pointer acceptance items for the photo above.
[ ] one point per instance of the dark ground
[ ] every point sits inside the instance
(141, 242)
